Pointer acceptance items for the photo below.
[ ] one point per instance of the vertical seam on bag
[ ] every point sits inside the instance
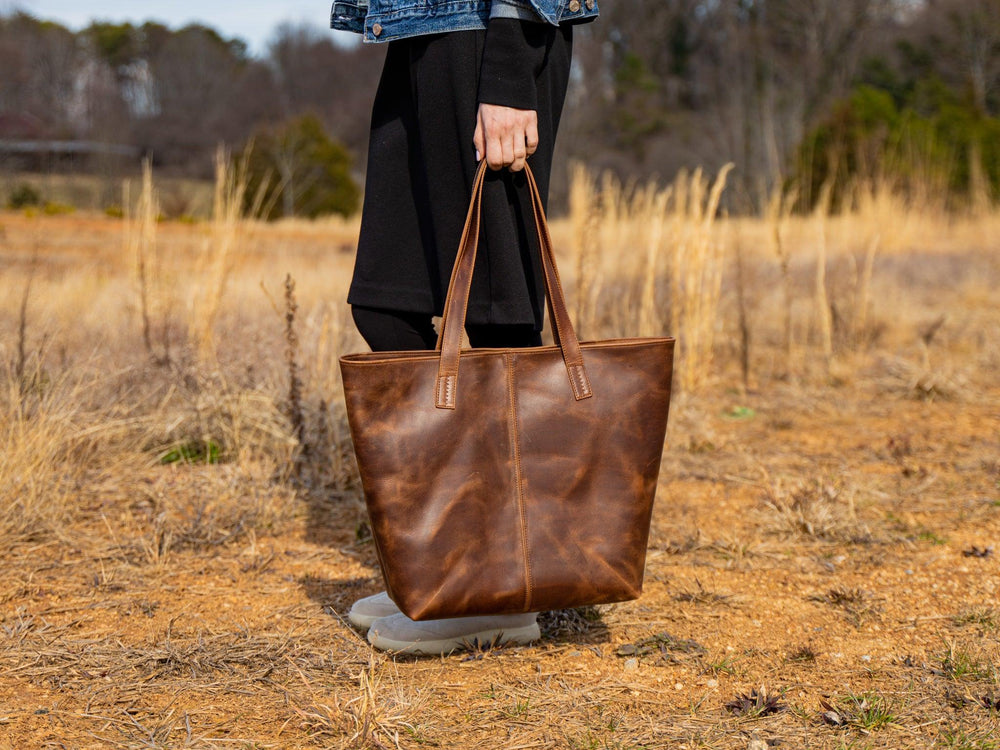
(516, 445)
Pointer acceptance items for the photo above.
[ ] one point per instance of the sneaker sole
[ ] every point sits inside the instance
(521, 636)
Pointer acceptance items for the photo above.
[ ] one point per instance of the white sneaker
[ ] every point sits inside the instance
(401, 634)
(366, 611)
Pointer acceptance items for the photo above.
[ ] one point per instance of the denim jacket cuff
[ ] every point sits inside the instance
(514, 9)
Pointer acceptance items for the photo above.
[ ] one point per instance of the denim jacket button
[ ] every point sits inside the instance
(574, 6)
(377, 28)
(589, 4)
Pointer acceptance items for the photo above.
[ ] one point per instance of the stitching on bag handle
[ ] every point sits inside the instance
(580, 382)
(446, 392)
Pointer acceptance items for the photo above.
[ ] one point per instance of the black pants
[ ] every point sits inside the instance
(421, 164)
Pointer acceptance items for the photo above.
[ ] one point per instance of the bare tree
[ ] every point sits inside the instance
(315, 74)
(969, 33)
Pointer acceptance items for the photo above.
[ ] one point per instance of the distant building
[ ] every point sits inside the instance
(29, 155)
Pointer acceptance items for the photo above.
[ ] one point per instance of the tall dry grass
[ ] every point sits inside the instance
(36, 435)
(155, 305)
(801, 290)
(660, 266)
(161, 351)
(231, 231)
(696, 274)
(178, 344)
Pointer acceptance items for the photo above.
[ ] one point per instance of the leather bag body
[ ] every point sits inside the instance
(509, 480)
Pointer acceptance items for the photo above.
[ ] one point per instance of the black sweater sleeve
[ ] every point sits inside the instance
(513, 55)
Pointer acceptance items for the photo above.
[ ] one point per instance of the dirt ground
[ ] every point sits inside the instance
(822, 573)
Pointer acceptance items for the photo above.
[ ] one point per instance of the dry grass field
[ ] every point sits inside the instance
(181, 528)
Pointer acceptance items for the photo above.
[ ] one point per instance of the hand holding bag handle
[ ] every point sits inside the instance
(457, 300)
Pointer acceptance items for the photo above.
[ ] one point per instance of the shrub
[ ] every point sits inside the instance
(52, 208)
(932, 138)
(298, 170)
(23, 196)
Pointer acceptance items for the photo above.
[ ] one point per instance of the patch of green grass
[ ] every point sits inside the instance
(414, 734)
(959, 663)
(985, 617)
(872, 711)
(868, 712)
(926, 535)
(662, 647)
(914, 531)
(57, 209)
(723, 665)
(193, 452)
(740, 412)
(957, 739)
(23, 196)
(519, 708)
(586, 742)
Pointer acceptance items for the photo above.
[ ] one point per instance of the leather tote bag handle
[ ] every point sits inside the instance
(457, 301)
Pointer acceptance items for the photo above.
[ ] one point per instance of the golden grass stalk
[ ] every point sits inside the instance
(696, 273)
(48, 458)
(824, 315)
(229, 235)
(865, 291)
(614, 231)
(20, 364)
(887, 221)
(980, 192)
(584, 213)
(653, 207)
(625, 280)
(776, 218)
(141, 246)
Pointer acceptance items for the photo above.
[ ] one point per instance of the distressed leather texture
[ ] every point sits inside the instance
(500, 481)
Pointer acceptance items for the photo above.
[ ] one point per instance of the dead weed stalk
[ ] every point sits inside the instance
(141, 245)
(816, 509)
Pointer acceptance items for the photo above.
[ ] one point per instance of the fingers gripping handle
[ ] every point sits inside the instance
(457, 300)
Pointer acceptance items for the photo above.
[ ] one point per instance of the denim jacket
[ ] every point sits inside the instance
(384, 20)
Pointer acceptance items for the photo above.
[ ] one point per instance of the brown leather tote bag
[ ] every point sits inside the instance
(509, 480)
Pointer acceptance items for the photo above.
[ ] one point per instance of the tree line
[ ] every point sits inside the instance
(800, 92)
